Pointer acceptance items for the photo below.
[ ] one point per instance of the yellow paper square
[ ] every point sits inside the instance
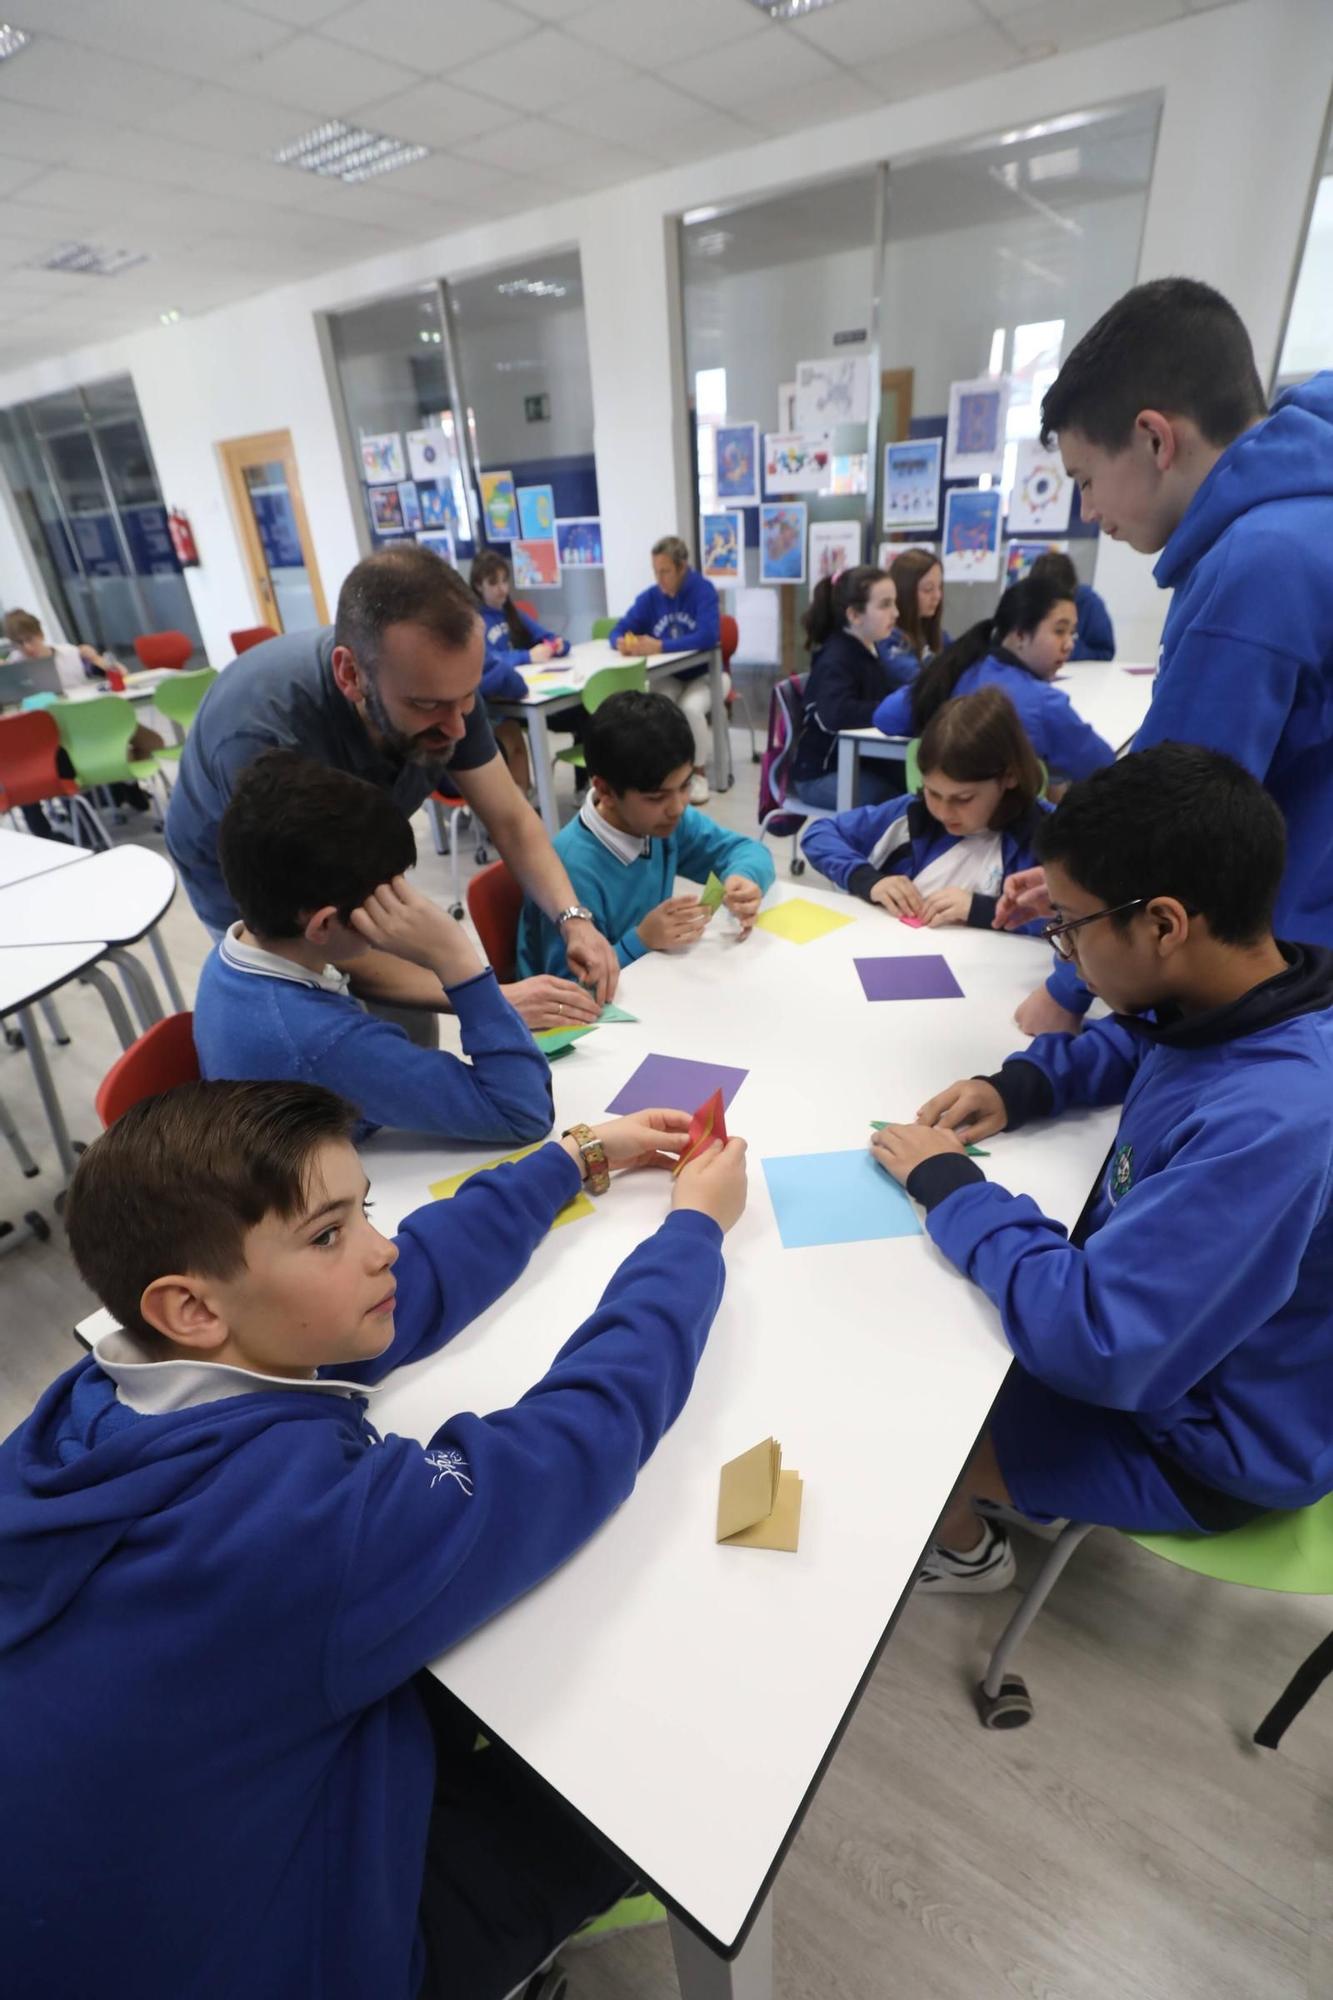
(782, 1528)
(801, 922)
(748, 1488)
(445, 1190)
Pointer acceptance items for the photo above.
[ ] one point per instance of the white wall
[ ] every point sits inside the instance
(1245, 91)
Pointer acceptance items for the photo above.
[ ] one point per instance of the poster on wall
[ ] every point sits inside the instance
(782, 526)
(795, 462)
(738, 464)
(430, 455)
(722, 547)
(500, 505)
(410, 500)
(386, 510)
(536, 565)
(578, 542)
(787, 406)
(440, 543)
(536, 513)
(889, 552)
(834, 547)
(912, 483)
(974, 444)
(382, 460)
(1042, 493)
(830, 392)
(972, 534)
(1020, 556)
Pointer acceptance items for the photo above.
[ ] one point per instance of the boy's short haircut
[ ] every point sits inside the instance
(178, 1181)
(633, 742)
(298, 836)
(1057, 569)
(1173, 345)
(1176, 820)
(673, 546)
(21, 626)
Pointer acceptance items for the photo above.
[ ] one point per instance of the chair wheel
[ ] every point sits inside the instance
(1011, 1708)
(39, 1225)
(457, 913)
(31, 1173)
(798, 865)
(482, 856)
(13, 1039)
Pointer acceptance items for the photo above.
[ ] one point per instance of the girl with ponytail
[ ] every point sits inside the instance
(848, 617)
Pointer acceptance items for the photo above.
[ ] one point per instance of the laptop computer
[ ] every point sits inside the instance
(19, 678)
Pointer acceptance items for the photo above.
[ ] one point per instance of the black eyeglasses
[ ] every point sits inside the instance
(1060, 935)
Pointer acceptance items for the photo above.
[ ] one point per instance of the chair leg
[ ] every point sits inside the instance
(167, 970)
(436, 818)
(58, 1031)
(1002, 1698)
(46, 1090)
(100, 982)
(142, 992)
(1305, 1682)
(455, 866)
(85, 818)
(9, 1130)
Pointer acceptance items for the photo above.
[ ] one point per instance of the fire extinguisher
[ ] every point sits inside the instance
(182, 539)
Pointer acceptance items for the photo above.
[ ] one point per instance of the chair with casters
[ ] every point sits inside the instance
(599, 687)
(730, 635)
(164, 649)
(162, 1057)
(494, 903)
(250, 635)
(30, 773)
(447, 815)
(780, 813)
(95, 736)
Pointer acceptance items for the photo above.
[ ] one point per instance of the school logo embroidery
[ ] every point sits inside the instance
(450, 1465)
(1122, 1172)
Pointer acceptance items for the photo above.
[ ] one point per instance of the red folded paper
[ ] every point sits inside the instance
(708, 1127)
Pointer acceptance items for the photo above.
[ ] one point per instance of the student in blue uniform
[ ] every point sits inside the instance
(919, 634)
(1020, 650)
(1095, 638)
(315, 860)
(849, 618)
(222, 1586)
(635, 832)
(513, 640)
(941, 855)
(1174, 1355)
(678, 613)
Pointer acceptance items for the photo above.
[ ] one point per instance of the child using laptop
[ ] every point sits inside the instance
(634, 833)
(222, 1585)
(73, 668)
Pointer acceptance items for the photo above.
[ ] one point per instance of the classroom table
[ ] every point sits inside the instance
(557, 686)
(1109, 694)
(23, 855)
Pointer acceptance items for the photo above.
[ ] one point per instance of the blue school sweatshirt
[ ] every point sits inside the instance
(1196, 1290)
(860, 848)
(621, 879)
(500, 678)
(847, 683)
(216, 1772)
(689, 622)
(256, 1016)
(1058, 733)
(1095, 639)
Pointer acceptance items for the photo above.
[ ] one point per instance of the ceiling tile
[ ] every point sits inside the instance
(317, 76)
(753, 68)
(527, 147)
(449, 179)
(642, 110)
(555, 10)
(535, 74)
(296, 13)
(936, 65)
(605, 169)
(436, 114)
(704, 137)
(75, 82)
(13, 173)
(39, 134)
(231, 120)
(651, 35)
(196, 40)
(856, 30)
(1073, 24)
(839, 96)
(431, 34)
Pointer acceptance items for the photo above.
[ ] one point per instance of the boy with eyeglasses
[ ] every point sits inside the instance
(1174, 1353)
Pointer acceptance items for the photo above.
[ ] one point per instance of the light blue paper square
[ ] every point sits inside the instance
(836, 1198)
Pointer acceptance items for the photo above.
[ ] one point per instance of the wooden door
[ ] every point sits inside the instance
(265, 490)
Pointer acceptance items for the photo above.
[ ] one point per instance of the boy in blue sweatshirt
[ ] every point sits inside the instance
(316, 862)
(221, 1585)
(679, 613)
(1174, 1355)
(634, 833)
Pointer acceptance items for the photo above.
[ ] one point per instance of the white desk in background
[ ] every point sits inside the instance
(1111, 696)
(23, 855)
(574, 671)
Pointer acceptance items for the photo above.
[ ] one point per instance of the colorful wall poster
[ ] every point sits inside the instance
(834, 547)
(500, 505)
(972, 534)
(386, 510)
(912, 483)
(430, 454)
(1043, 491)
(722, 547)
(890, 551)
(975, 442)
(536, 565)
(578, 542)
(795, 462)
(738, 464)
(536, 513)
(782, 526)
(1020, 556)
(438, 508)
(440, 542)
(830, 392)
(382, 460)
(410, 501)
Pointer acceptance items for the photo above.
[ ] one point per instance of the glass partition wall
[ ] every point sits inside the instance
(1307, 345)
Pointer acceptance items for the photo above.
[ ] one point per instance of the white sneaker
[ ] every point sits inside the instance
(699, 792)
(990, 1566)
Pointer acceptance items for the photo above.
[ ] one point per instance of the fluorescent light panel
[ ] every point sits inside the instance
(532, 288)
(347, 153)
(789, 10)
(88, 260)
(12, 39)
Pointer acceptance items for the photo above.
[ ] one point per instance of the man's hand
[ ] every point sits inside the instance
(714, 1184)
(742, 897)
(1039, 1014)
(973, 1108)
(592, 960)
(901, 1148)
(398, 919)
(898, 895)
(674, 925)
(547, 1002)
(947, 906)
(1022, 898)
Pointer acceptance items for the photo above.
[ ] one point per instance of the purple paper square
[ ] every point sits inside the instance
(676, 1085)
(1139, 670)
(926, 978)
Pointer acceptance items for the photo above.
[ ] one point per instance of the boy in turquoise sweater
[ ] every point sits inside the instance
(635, 833)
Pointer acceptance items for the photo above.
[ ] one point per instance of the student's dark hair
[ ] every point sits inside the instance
(297, 836)
(976, 737)
(907, 570)
(178, 1180)
(1176, 820)
(1057, 568)
(833, 597)
(1022, 609)
(1173, 345)
(407, 585)
(486, 567)
(635, 741)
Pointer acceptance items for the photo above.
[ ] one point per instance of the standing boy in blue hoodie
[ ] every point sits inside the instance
(1174, 1355)
(224, 1769)
(678, 614)
(1161, 422)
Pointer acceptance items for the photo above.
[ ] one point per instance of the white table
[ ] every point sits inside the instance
(575, 669)
(1111, 696)
(23, 855)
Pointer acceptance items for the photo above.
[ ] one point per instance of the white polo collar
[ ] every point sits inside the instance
(252, 958)
(156, 1388)
(626, 847)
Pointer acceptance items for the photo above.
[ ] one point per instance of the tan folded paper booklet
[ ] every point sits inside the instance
(758, 1504)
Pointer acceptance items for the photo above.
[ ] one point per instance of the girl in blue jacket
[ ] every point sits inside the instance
(1020, 650)
(919, 634)
(512, 641)
(940, 856)
(848, 618)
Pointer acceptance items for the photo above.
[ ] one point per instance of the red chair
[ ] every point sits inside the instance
(161, 1058)
(526, 606)
(30, 772)
(494, 900)
(730, 633)
(164, 649)
(251, 635)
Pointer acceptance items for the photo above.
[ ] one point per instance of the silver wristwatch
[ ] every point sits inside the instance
(564, 917)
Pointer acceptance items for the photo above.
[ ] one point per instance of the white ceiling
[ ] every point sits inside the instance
(148, 124)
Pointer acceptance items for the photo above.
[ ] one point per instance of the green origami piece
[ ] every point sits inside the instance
(611, 1013)
(555, 1042)
(713, 893)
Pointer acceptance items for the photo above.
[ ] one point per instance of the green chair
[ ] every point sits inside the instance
(633, 676)
(95, 736)
(1277, 1551)
(602, 628)
(178, 698)
(913, 769)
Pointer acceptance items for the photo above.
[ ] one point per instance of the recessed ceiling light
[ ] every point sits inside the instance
(12, 40)
(170, 317)
(347, 153)
(532, 288)
(87, 260)
(789, 10)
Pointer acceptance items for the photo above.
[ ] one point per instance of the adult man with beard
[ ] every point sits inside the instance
(387, 693)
